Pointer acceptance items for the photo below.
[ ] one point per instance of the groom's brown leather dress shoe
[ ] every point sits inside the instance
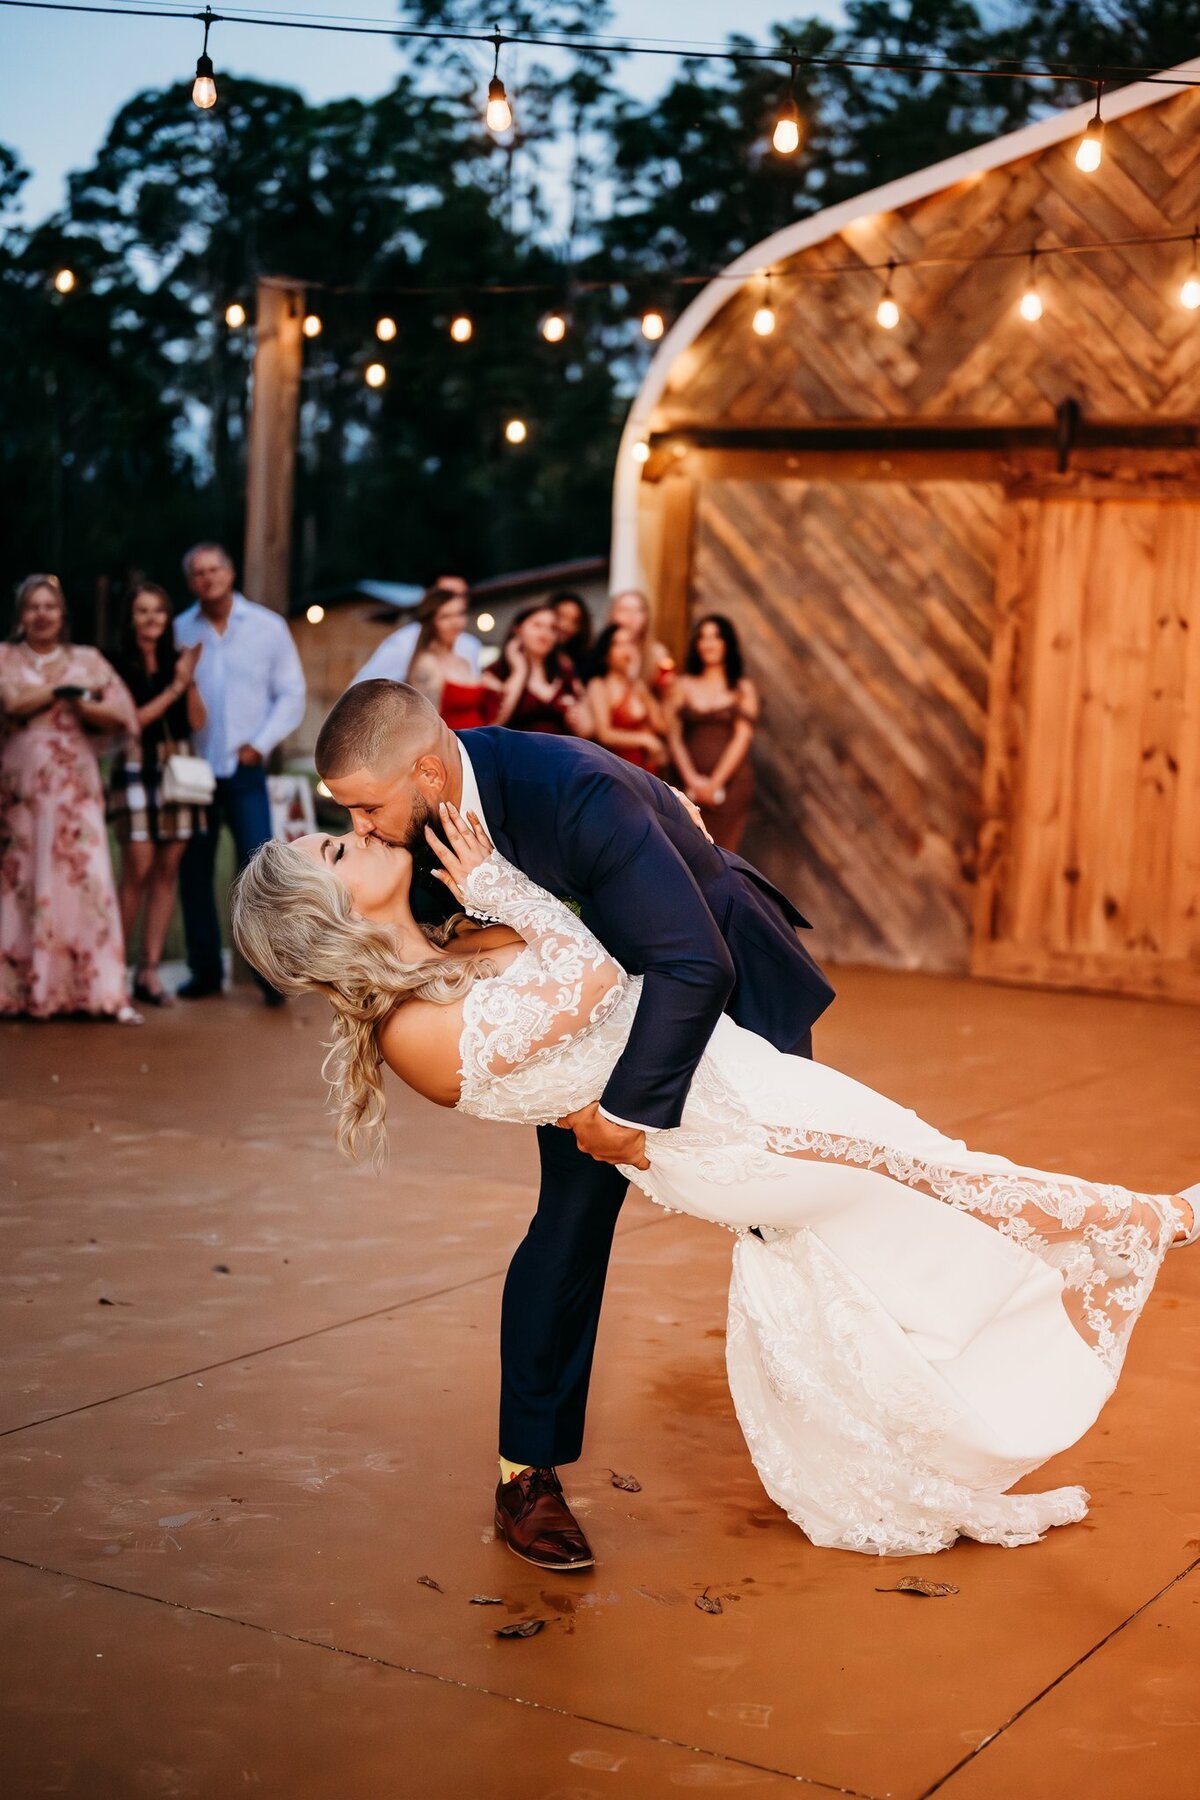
(534, 1520)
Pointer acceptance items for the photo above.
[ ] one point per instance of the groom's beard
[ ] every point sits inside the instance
(417, 844)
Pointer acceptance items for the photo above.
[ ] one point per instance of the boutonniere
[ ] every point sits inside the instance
(570, 900)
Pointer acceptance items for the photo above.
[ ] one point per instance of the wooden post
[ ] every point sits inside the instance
(673, 588)
(271, 460)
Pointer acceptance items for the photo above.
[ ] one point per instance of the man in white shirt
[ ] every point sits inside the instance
(390, 661)
(251, 681)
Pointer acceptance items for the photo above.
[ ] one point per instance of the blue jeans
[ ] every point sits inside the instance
(241, 803)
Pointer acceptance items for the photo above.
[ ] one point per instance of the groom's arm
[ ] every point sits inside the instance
(645, 906)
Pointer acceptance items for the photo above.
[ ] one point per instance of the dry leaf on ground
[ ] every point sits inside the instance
(709, 1603)
(917, 1584)
(485, 1600)
(628, 1484)
(429, 1582)
(525, 1628)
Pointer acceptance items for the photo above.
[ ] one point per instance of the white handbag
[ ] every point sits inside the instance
(185, 780)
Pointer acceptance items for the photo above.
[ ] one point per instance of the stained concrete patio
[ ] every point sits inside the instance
(221, 1490)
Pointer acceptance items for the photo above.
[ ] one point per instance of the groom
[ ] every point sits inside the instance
(704, 929)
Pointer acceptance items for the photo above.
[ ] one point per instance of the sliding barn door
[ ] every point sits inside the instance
(1090, 841)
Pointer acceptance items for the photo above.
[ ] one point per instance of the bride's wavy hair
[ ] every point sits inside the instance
(293, 922)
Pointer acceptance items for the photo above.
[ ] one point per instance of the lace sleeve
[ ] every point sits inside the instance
(564, 983)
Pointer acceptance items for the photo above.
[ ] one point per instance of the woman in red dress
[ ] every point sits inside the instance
(438, 671)
(533, 685)
(655, 661)
(626, 717)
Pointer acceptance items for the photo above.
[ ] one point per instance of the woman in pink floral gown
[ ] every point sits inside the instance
(61, 949)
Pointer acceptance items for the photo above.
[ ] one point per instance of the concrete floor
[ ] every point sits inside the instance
(220, 1491)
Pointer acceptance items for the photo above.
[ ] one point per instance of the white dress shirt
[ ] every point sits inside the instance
(391, 660)
(471, 803)
(250, 679)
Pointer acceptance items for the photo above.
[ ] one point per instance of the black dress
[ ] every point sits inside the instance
(135, 808)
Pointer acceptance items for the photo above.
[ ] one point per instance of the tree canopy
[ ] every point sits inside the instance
(125, 411)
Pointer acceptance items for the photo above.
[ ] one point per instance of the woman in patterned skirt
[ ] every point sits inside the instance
(154, 833)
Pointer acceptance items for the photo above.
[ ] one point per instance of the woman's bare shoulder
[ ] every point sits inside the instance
(419, 1042)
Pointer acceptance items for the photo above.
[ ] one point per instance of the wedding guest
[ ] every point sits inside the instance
(153, 832)
(574, 623)
(61, 949)
(626, 717)
(438, 670)
(712, 714)
(632, 610)
(252, 686)
(536, 688)
(391, 659)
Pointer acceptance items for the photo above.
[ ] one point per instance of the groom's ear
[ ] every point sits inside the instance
(432, 773)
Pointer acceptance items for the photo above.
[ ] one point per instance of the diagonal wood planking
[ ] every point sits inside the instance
(868, 606)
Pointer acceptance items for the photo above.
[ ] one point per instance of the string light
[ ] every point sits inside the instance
(516, 431)
(763, 321)
(375, 375)
(204, 88)
(385, 329)
(653, 324)
(1031, 300)
(499, 112)
(785, 139)
(1189, 293)
(887, 313)
(315, 614)
(462, 328)
(64, 281)
(1091, 145)
(485, 622)
(312, 326)
(554, 328)
(640, 451)
(235, 315)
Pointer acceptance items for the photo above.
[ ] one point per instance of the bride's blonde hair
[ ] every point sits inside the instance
(292, 921)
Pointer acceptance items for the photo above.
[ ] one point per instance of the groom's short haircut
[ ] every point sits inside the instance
(373, 726)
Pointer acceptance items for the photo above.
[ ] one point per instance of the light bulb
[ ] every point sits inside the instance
(375, 375)
(235, 315)
(385, 329)
(312, 326)
(204, 88)
(1031, 305)
(764, 321)
(785, 139)
(315, 614)
(554, 328)
(462, 330)
(499, 112)
(640, 450)
(653, 324)
(516, 431)
(64, 281)
(485, 622)
(1090, 153)
(1189, 293)
(888, 313)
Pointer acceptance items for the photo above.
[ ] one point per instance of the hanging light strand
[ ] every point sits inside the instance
(1090, 153)
(204, 88)
(1030, 305)
(499, 112)
(785, 139)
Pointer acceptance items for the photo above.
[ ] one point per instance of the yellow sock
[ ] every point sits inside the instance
(509, 1469)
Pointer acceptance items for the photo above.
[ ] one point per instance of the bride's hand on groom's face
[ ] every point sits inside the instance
(467, 846)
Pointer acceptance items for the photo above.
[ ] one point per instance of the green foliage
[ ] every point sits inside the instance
(125, 411)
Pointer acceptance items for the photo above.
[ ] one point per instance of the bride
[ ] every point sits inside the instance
(913, 1326)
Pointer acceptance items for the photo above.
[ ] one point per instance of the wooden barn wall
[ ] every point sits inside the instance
(865, 610)
(1113, 335)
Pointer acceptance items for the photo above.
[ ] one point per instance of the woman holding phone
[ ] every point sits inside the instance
(61, 948)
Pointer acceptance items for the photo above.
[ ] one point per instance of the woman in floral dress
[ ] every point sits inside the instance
(61, 949)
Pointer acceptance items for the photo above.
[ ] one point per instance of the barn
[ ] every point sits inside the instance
(963, 553)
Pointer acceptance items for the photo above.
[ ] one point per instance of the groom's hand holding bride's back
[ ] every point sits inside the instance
(604, 1139)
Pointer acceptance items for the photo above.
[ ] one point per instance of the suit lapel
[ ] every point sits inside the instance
(482, 749)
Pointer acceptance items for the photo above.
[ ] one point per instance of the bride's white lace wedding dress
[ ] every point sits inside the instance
(919, 1325)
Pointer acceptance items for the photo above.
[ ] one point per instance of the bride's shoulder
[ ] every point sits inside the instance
(419, 1042)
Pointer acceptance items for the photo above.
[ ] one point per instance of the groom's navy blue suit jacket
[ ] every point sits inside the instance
(705, 930)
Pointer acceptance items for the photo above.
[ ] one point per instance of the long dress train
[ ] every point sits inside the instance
(918, 1327)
